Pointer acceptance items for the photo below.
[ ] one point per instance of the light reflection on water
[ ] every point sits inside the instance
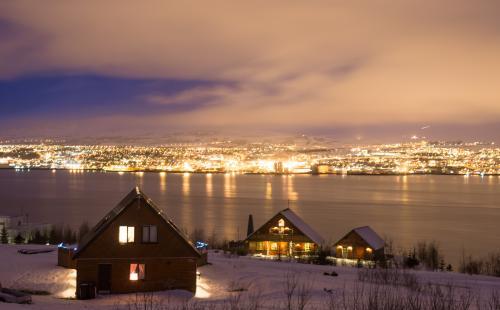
(454, 210)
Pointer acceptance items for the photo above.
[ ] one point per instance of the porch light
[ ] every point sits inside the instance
(369, 250)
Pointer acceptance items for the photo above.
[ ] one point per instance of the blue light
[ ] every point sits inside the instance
(201, 245)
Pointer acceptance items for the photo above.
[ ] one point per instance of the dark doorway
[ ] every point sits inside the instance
(104, 275)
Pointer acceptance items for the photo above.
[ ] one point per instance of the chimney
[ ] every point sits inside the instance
(250, 225)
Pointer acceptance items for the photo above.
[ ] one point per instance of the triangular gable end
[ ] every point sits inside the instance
(126, 202)
(296, 221)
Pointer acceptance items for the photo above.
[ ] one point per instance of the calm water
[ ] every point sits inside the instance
(456, 211)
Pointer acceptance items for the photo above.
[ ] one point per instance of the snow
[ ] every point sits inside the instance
(370, 237)
(303, 226)
(257, 276)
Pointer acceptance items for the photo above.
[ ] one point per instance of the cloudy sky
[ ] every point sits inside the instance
(346, 68)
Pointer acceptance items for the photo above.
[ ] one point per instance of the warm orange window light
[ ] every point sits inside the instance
(281, 223)
(126, 234)
(137, 272)
(369, 250)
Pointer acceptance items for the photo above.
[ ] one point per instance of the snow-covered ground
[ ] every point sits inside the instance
(257, 278)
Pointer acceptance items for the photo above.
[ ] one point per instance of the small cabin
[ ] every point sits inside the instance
(135, 248)
(285, 234)
(360, 243)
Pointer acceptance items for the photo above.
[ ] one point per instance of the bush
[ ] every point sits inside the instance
(428, 254)
(4, 236)
(18, 239)
(490, 265)
(411, 260)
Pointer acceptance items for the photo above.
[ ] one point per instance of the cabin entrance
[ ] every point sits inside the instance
(104, 278)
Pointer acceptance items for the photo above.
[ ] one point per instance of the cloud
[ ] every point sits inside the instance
(274, 63)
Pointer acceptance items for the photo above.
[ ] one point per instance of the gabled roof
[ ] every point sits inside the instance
(370, 236)
(293, 218)
(136, 193)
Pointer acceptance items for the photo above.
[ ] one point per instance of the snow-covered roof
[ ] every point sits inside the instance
(370, 236)
(293, 218)
(302, 226)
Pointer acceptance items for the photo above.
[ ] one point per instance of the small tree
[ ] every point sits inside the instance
(83, 230)
(55, 234)
(18, 239)
(37, 238)
(69, 236)
(4, 236)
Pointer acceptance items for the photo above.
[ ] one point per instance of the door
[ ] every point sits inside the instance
(104, 278)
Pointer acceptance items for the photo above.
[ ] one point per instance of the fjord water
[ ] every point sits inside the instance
(460, 213)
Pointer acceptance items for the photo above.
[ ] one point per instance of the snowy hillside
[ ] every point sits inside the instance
(227, 277)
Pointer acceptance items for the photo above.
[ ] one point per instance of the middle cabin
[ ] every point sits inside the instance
(285, 234)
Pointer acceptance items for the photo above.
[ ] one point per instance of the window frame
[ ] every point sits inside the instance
(128, 235)
(149, 234)
(138, 269)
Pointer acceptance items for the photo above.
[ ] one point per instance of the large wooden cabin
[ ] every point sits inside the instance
(136, 248)
(360, 243)
(285, 234)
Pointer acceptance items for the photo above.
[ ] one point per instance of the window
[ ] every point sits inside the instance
(281, 223)
(274, 246)
(126, 234)
(149, 234)
(137, 272)
(307, 246)
(260, 246)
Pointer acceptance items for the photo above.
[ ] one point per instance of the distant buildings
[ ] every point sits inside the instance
(415, 157)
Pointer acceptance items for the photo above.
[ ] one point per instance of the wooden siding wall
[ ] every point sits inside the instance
(169, 244)
(65, 258)
(358, 245)
(160, 274)
(170, 263)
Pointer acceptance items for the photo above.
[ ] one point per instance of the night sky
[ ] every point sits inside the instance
(353, 70)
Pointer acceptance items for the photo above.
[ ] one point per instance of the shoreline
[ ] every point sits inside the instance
(238, 172)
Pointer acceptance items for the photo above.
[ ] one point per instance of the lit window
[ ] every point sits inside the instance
(260, 246)
(137, 272)
(281, 223)
(307, 246)
(149, 234)
(126, 234)
(274, 246)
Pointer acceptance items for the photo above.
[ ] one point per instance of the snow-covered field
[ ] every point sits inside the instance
(220, 281)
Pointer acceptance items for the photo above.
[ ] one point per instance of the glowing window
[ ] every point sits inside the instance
(260, 246)
(274, 246)
(137, 272)
(126, 234)
(149, 234)
(307, 246)
(281, 223)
